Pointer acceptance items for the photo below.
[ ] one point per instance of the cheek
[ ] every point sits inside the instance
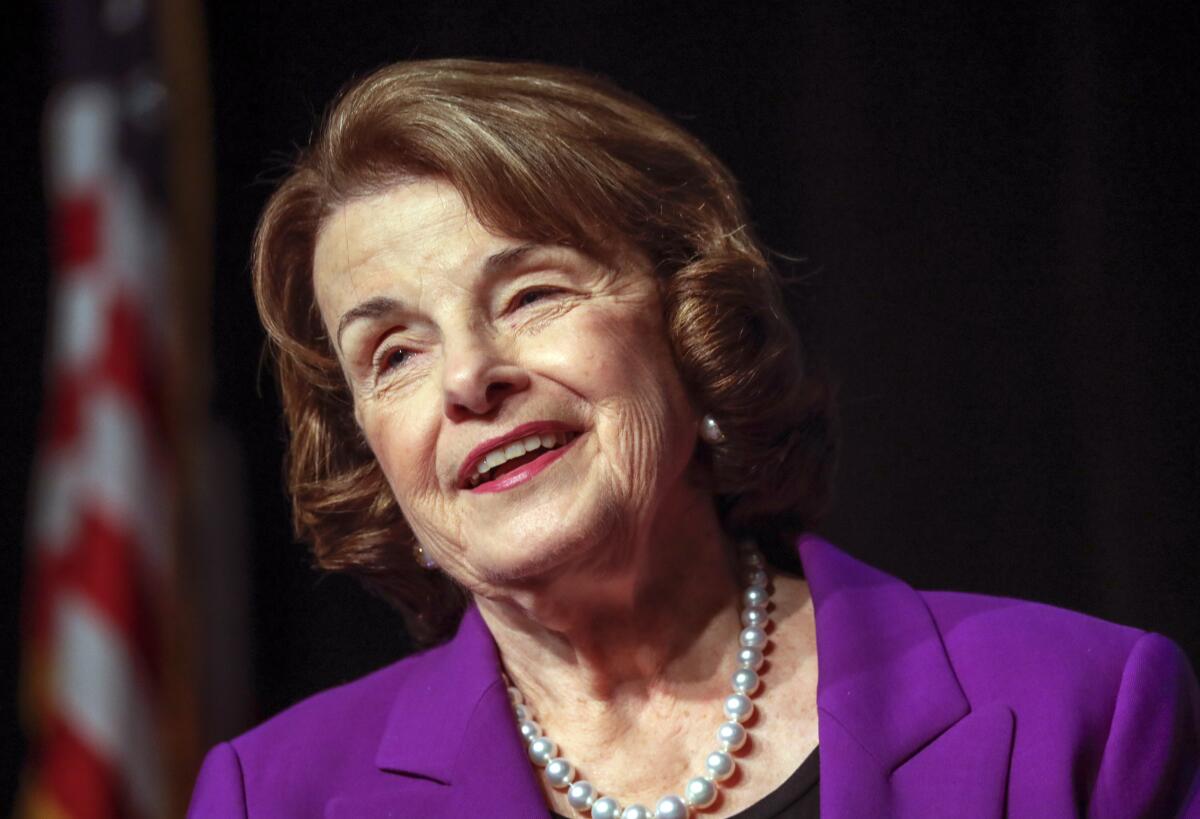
(401, 444)
(619, 354)
(627, 371)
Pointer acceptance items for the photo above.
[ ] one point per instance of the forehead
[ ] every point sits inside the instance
(404, 232)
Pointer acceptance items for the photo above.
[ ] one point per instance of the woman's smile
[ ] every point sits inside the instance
(496, 456)
(509, 466)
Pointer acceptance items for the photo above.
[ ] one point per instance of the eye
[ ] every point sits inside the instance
(532, 296)
(390, 358)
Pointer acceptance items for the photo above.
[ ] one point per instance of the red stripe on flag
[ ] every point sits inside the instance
(80, 779)
(77, 232)
(63, 410)
(127, 362)
(103, 566)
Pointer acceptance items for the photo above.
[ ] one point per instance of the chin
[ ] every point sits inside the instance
(529, 555)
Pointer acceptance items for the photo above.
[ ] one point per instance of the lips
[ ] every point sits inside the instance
(501, 455)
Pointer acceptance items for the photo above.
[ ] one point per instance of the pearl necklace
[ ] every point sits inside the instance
(700, 791)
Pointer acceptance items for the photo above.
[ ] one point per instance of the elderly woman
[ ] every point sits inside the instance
(544, 396)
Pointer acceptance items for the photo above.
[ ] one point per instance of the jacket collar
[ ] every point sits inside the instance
(898, 736)
(883, 672)
(452, 723)
(438, 703)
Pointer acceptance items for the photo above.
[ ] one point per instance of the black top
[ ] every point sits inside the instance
(796, 798)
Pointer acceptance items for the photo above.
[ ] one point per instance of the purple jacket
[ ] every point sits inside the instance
(931, 704)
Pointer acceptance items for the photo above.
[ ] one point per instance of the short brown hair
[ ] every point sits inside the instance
(553, 155)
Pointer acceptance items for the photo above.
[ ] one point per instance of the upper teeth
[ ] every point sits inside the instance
(515, 449)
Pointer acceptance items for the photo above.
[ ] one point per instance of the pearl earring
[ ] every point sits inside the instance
(422, 557)
(710, 430)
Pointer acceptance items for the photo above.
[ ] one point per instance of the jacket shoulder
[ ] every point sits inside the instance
(352, 712)
(1031, 648)
(1117, 707)
(965, 616)
(322, 746)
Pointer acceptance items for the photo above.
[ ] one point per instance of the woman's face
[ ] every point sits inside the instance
(462, 347)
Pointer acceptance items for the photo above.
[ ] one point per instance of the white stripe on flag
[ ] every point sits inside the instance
(81, 132)
(101, 697)
(81, 307)
(55, 506)
(122, 474)
(110, 469)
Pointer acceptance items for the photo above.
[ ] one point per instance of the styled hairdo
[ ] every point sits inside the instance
(551, 155)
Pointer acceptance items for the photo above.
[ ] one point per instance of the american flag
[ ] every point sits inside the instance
(101, 628)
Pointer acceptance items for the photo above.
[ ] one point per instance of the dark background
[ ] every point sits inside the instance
(999, 217)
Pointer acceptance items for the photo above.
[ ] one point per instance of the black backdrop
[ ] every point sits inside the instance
(999, 218)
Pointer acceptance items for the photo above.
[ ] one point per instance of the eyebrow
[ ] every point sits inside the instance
(493, 266)
(370, 309)
(507, 259)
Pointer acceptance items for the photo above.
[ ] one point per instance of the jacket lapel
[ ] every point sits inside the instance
(898, 736)
(451, 731)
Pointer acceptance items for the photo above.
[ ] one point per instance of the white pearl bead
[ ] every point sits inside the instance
(755, 595)
(755, 616)
(515, 696)
(700, 792)
(754, 560)
(542, 750)
(671, 807)
(523, 712)
(750, 658)
(738, 707)
(637, 812)
(581, 796)
(559, 772)
(757, 577)
(753, 637)
(745, 681)
(530, 730)
(606, 808)
(719, 765)
(731, 735)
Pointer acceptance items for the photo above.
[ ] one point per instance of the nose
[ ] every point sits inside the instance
(477, 378)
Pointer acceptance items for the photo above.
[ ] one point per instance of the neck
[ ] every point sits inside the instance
(656, 618)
